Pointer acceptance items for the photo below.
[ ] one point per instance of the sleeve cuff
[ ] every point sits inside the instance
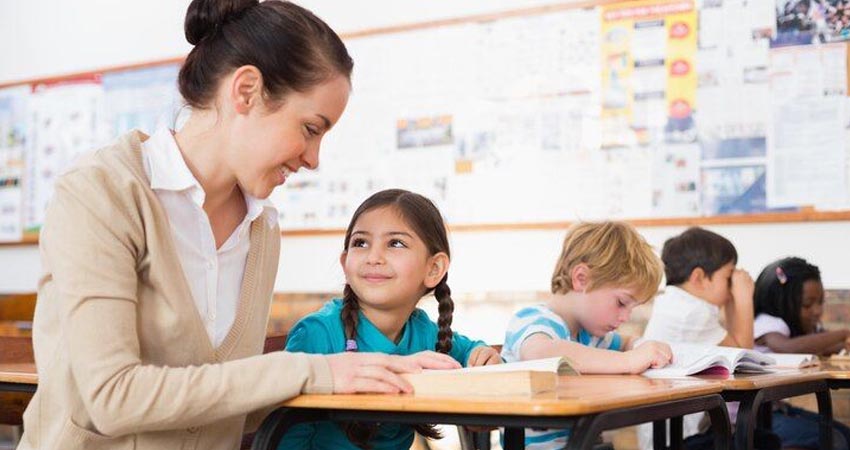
(321, 379)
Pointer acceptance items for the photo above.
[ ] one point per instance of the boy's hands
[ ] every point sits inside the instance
(648, 354)
(742, 286)
(483, 355)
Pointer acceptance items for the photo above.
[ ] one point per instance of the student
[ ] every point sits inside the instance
(604, 271)
(160, 254)
(788, 306)
(702, 278)
(395, 252)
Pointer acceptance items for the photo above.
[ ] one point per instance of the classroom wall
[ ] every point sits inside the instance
(54, 37)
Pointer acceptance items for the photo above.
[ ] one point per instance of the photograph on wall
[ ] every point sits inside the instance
(424, 132)
(733, 190)
(802, 22)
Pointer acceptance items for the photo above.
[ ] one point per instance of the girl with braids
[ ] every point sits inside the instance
(788, 306)
(395, 252)
(159, 253)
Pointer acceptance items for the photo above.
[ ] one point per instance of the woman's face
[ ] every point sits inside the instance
(274, 143)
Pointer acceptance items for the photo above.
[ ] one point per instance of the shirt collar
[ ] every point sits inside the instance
(168, 168)
(257, 206)
(169, 172)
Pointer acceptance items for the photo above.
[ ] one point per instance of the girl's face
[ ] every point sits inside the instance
(811, 306)
(276, 143)
(387, 264)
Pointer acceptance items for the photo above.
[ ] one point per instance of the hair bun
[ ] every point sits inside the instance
(205, 16)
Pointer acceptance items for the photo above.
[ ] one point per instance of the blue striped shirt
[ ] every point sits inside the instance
(541, 319)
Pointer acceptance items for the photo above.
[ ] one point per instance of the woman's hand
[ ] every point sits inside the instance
(483, 355)
(379, 373)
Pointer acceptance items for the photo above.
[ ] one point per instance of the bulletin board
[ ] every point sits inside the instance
(659, 112)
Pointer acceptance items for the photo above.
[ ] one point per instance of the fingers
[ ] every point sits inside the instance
(434, 360)
(666, 351)
(493, 358)
(381, 377)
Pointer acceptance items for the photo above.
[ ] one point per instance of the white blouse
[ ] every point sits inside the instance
(214, 275)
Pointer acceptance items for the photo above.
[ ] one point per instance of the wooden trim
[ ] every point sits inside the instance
(110, 69)
(731, 219)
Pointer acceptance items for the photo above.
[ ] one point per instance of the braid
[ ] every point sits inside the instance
(358, 433)
(350, 310)
(446, 307)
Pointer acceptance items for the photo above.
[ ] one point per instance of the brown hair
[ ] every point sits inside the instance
(424, 218)
(696, 247)
(615, 254)
(291, 47)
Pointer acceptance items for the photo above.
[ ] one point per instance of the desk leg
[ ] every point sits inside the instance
(659, 435)
(747, 417)
(514, 438)
(279, 422)
(719, 416)
(825, 412)
(677, 441)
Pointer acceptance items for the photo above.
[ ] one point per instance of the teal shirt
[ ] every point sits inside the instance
(322, 332)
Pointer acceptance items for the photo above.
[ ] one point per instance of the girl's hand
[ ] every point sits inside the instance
(483, 355)
(378, 373)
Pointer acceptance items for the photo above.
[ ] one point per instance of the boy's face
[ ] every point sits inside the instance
(603, 310)
(717, 289)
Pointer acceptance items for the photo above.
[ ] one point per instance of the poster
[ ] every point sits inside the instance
(648, 73)
(13, 138)
(807, 147)
(142, 99)
(66, 119)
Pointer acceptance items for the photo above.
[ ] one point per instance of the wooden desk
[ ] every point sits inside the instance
(838, 373)
(15, 328)
(18, 382)
(18, 377)
(589, 404)
(753, 390)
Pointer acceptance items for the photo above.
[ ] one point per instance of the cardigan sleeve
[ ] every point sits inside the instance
(90, 244)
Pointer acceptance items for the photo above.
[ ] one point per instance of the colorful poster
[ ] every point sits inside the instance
(143, 99)
(648, 72)
(13, 138)
(65, 119)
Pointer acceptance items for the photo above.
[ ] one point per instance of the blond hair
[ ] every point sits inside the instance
(616, 255)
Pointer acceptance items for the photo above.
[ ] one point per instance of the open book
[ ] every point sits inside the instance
(692, 359)
(794, 360)
(840, 357)
(518, 378)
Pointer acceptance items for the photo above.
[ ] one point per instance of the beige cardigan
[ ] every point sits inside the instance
(124, 361)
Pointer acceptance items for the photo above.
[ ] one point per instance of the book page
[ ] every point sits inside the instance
(556, 365)
(794, 360)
